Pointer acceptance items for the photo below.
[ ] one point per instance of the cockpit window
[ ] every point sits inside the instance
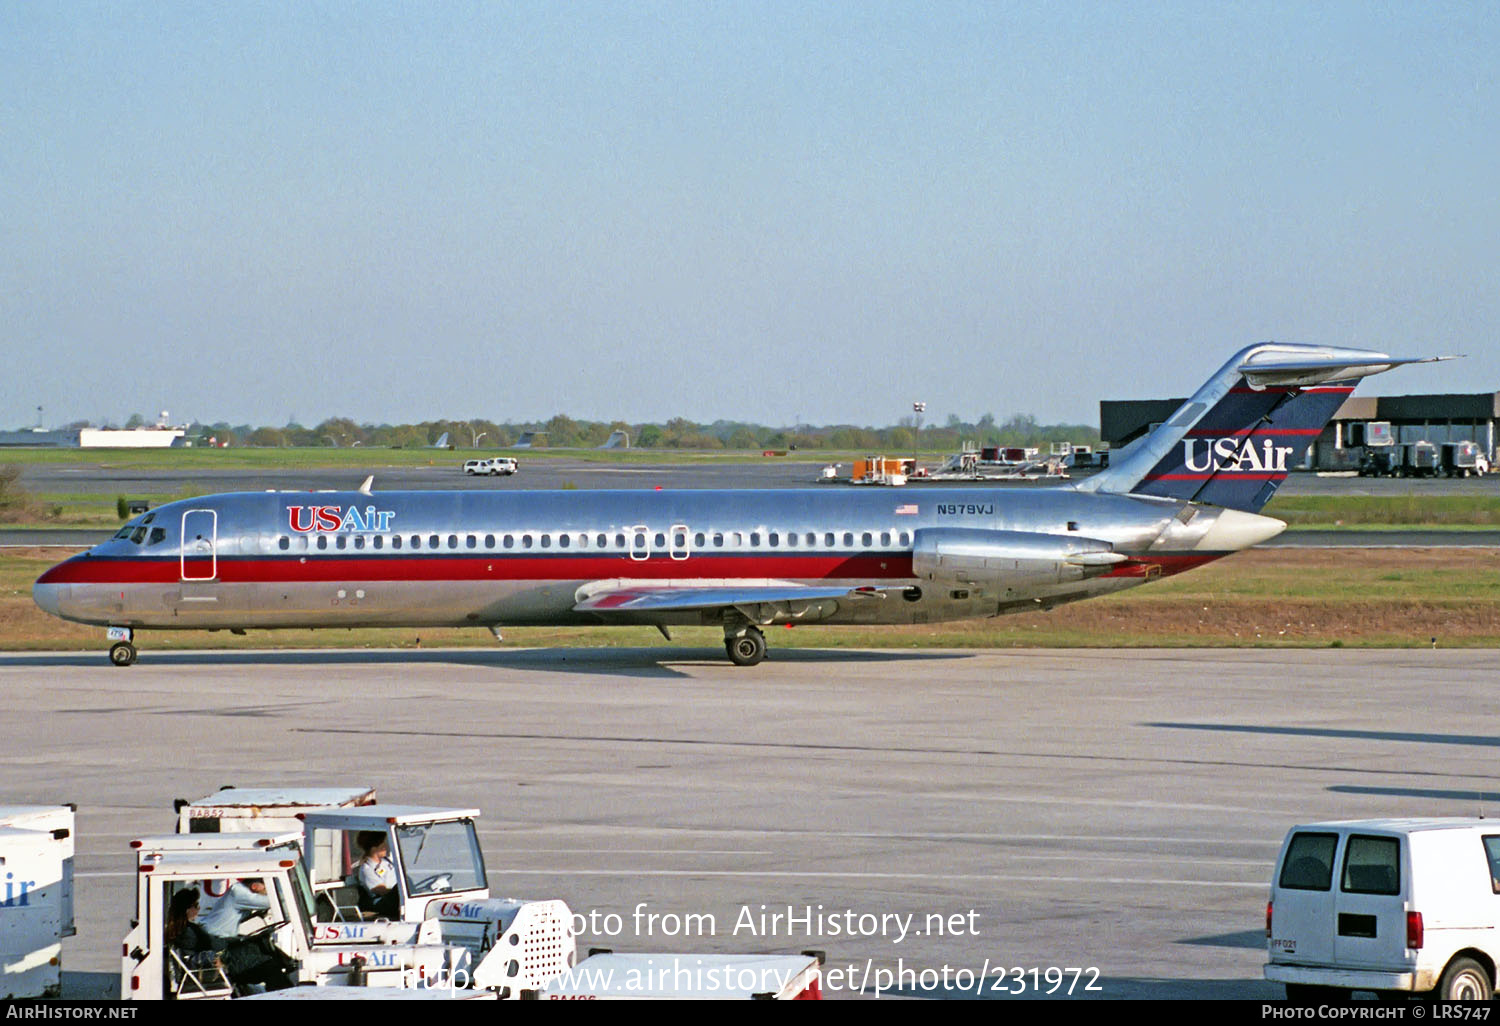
(158, 535)
(138, 535)
(123, 532)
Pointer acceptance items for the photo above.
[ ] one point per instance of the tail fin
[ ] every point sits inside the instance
(1231, 444)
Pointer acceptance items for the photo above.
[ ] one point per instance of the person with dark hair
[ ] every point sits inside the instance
(193, 944)
(378, 889)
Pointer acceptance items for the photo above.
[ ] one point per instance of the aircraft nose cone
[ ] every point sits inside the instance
(48, 596)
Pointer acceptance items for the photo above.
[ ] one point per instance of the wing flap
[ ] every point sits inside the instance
(641, 602)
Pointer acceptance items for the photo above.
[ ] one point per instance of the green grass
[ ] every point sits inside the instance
(373, 457)
(1366, 511)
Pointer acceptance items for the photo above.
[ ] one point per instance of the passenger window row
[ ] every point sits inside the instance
(618, 541)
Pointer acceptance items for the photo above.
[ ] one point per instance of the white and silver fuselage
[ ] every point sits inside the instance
(470, 558)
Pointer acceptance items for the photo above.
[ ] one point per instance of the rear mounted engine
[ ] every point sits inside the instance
(978, 556)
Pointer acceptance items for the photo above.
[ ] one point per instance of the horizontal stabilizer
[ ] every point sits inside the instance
(1304, 373)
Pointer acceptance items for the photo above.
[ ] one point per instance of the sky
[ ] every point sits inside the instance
(776, 212)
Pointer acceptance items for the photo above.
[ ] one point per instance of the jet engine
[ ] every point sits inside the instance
(976, 556)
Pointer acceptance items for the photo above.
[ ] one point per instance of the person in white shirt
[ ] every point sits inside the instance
(245, 899)
(378, 891)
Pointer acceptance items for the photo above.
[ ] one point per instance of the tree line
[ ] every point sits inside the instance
(563, 431)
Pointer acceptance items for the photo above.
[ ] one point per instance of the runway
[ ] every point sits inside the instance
(1114, 811)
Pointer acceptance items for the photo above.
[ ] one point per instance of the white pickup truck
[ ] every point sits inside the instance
(499, 466)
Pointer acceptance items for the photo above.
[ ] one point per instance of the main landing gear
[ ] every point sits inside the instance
(746, 645)
(122, 652)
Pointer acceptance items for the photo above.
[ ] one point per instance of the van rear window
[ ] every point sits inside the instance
(1372, 865)
(1309, 862)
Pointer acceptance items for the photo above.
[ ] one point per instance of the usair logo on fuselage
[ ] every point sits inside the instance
(308, 519)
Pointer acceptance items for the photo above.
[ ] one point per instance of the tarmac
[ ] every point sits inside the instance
(561, 471)
(941, 823)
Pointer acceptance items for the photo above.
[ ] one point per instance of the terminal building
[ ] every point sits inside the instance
(1393, 420)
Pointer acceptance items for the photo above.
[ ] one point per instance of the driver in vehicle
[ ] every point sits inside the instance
(249, 960)
(378, 892)
(244, 900)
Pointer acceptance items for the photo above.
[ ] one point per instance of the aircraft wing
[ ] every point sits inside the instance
(759, 603)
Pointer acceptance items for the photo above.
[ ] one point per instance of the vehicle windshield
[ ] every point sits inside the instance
(440, 857)
(301, 898)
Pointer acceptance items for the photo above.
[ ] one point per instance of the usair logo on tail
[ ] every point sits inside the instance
(1234, 455)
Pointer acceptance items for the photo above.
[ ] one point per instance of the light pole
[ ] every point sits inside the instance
(918, 408)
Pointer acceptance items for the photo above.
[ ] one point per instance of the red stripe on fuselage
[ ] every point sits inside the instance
(292, 569)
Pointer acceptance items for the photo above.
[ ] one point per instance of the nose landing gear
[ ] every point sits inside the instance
(122, 652)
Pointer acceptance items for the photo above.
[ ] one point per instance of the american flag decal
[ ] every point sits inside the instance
(909, 510)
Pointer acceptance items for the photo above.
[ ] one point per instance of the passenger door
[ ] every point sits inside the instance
(198, 563)
(200, 538)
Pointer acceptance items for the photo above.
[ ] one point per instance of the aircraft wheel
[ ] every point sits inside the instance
(122, 653)
(746, 649)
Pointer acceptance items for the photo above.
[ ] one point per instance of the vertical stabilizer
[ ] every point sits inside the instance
(1234, 441)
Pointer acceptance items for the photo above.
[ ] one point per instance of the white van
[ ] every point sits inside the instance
(1387, 905)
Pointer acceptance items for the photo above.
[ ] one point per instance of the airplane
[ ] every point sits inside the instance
(1187, 493)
